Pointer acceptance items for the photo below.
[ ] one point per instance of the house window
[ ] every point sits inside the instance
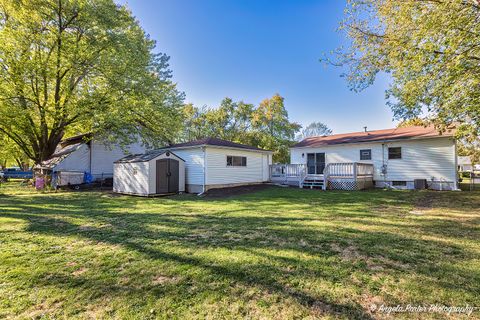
(399, 183)
(395, 153)
(236, 161)
(366, 154)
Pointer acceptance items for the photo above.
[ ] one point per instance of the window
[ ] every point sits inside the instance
(236, 161)
(395, 153)
(366, 154)
(399, 183)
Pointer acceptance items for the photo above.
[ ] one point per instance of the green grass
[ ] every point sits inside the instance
(279, 253)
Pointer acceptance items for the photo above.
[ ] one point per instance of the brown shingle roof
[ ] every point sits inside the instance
(213, 142)
(375, 135)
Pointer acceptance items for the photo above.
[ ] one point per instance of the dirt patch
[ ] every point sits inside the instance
(425, 203)
(235, 191)
(159, 280)
(79, 271)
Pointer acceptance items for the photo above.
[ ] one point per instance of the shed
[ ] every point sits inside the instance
(149, 174)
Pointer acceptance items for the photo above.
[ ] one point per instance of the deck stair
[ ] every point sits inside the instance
(312, 182)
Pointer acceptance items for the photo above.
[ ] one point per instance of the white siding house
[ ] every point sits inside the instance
(216, 163)
(82, 154)
(399, 156)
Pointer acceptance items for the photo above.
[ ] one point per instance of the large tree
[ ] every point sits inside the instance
(314, 129)
(75, 66)
(431, 50)
(266, 126)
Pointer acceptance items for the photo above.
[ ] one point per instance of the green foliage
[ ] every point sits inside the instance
(469, 149)
(266, 126)
(11, 154)
(75, 66)
(413, 122)
(430, 49)
(314, 129)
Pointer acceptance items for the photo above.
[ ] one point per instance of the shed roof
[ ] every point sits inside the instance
(414, 132)
(210, 141)
(144, 157)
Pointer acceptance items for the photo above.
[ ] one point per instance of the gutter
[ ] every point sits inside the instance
(204, 149)
(374, 141)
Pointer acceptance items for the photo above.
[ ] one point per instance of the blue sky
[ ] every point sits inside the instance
(251, 49)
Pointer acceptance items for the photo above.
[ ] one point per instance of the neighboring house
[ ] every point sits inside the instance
(81, 154)
(465, 165)
(399, 158)
(216, 163)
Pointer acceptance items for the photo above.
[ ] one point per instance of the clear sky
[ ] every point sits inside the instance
(251, 49)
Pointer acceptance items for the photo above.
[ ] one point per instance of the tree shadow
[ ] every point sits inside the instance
(178, 220)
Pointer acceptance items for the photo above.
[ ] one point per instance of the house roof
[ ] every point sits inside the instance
(414, 132)
(64, 148)
(213, 142)
(144, 157)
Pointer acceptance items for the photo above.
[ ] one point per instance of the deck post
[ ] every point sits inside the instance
(355, 175)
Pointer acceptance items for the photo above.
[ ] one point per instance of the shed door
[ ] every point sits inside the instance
(162, 176)
(173, 176)
(167, 176)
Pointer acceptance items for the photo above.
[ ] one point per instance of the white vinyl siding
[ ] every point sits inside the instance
(193, 164)
(220, 173)
(103, 156)
(131, 178)
(78, 160)
(421, 159)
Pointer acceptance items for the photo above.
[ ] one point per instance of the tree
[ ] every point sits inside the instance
(314, 129)
(266, 126)
(75, 66)
(431, 51)
(11, 154)
(470, 147)
(413, 122)
(273, 130)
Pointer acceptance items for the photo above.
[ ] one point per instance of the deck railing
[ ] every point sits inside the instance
(350, 170)
(296, 173)
(287, 172)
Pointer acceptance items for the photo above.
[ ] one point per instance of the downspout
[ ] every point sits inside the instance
(204, 169)
(455, 181)
(384, 165)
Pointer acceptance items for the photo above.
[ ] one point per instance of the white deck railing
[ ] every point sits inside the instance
(296, 173)
(350, 170)
(285, 173)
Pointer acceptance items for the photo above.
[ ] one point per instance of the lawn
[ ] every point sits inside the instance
(278, 253)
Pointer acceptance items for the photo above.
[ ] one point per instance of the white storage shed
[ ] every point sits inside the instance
(149, 174)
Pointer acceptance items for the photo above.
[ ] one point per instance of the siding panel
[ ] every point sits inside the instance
(193, 164)
(421, 159)
(219, 173)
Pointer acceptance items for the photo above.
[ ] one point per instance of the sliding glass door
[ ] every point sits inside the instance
(315, 163)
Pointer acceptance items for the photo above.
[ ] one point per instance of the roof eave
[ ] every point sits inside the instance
(375, 141)
(220, 147)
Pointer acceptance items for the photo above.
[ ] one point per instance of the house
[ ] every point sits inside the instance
(402, 158)
(153, 173)
(81, 154)
(465, 165)
(216, 163)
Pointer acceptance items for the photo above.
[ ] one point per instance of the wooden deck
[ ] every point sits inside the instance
(341, 176)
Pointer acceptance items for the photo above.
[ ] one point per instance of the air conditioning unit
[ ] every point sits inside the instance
(420, 184)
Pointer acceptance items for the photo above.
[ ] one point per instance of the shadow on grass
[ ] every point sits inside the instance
(325, 227)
